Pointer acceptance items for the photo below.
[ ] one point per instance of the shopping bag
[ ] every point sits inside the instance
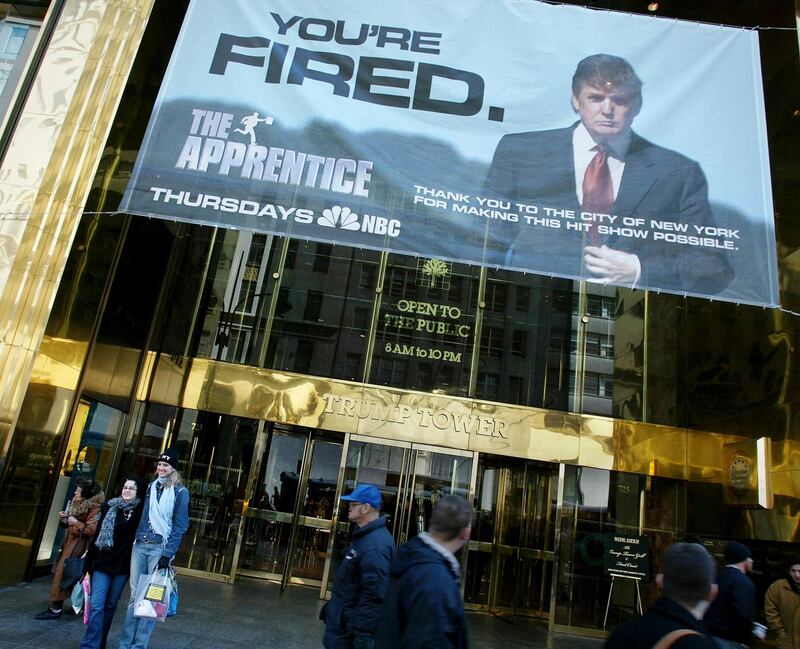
(173, 598)
(152, 596)
(86, 585)
(77, 597)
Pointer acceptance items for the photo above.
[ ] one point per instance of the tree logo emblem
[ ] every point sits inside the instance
(434, 273)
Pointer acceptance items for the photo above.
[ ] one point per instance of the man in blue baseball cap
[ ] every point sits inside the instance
(351, 617)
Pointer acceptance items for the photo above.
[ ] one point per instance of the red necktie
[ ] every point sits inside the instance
(598, 193)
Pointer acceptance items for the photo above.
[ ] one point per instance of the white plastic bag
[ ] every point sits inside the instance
(77, 597)
(152, 596)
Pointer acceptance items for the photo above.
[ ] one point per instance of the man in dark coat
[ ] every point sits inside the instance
(730, 617)
(423, 606)
(359, 585)
(686, 583)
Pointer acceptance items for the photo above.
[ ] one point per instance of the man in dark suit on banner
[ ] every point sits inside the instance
(608, 177)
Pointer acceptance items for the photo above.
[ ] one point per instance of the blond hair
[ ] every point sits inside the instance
(173, 479)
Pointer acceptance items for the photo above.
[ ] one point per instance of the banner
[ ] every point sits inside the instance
(558, 140)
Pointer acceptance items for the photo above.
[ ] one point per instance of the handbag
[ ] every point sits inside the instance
(72, 573)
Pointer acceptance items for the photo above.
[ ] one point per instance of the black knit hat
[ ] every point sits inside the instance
(735, 552)
(170, 456)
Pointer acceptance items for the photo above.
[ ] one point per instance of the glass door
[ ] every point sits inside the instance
(315, 506)
(433, 472)
(509, 565)
(215, 453)
(289, 518)
(411, 478)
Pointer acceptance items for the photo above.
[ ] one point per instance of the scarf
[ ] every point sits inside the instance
(105, 537)
(79, 508)
(160, 510)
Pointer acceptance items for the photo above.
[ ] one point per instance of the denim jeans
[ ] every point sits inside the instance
(136, 631)
(106, 591)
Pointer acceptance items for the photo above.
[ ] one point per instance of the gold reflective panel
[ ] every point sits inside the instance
(649, 449)
(597, 442)
(456, 422)
(46, 174)
(59, 362)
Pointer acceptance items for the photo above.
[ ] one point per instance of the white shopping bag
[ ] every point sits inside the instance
(152, 595)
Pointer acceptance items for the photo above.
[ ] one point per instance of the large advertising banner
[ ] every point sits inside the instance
(557, 140)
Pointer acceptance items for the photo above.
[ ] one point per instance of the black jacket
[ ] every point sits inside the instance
(117, 559)
(423, 608)
(664, 617)
(359, 586)
(731, 614)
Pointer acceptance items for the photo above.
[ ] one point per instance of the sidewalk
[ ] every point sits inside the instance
(251, 614)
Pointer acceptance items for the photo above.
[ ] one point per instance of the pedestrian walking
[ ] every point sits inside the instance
(423, 606)
(782, 608)
(730, 616)
(165, 519)
(359, 585)
(686, 582)
(80, 521)
(108, 561)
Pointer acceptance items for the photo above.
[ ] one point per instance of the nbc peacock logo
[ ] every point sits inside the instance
(339, 217)
(343, 218)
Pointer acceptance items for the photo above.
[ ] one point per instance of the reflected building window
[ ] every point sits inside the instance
(17, 37)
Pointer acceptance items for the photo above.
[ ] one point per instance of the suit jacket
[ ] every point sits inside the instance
(537, 168)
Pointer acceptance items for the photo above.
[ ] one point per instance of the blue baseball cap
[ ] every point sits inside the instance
(365, 493)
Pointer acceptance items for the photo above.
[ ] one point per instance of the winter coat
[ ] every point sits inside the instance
(423, 608)
(731, 614)
(782, 609)
(76, 540)
(665, 616)
(180, 520)
(351, 617)
(115, 560)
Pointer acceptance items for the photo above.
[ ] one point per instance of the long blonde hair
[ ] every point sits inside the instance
(173, 479)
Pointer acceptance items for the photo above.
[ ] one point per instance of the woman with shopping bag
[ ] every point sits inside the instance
(80, 519)
(108, 561)
(165, 519)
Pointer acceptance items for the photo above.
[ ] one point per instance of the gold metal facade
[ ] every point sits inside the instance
(45, 178)
(495, 428)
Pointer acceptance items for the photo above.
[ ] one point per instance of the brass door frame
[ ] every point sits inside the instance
(262, 437)
(324, 592)
(403, 495)
(404, 521)
(499, 550)
(295, 518)
(405, 466)
(301, 520)
(299, 498)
